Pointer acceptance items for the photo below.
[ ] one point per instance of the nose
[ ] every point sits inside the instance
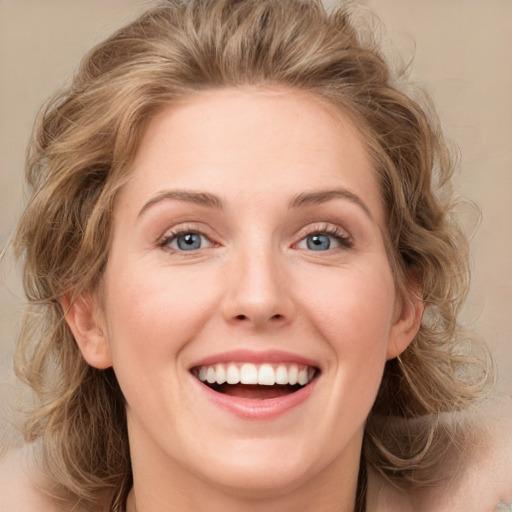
(257, 293)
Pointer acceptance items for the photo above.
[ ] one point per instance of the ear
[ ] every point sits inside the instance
(408, 313)
(86, 321)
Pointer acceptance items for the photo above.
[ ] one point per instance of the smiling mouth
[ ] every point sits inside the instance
(255, 381)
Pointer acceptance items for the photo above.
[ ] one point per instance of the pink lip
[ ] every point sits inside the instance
(249, 409)
(256, 409)
(249, 356)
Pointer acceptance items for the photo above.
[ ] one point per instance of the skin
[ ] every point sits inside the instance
(254, 284)
(157, 310)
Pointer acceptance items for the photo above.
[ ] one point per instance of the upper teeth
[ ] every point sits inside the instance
(249, 373)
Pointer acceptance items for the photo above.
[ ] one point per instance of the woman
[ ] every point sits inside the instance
(244, 277)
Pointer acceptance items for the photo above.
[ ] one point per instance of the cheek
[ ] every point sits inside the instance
(157, 314)
(353, 310)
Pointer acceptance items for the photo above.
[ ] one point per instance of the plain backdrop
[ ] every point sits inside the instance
(462, 55)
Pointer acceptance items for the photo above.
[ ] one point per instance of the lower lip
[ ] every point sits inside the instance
(250, 409)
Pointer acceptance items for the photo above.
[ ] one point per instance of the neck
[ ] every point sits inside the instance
(254, 474)
(332, 490)
(229, 502)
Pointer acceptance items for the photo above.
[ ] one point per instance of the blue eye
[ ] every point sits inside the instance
(188, 241)
(325, 240)
(318, 242)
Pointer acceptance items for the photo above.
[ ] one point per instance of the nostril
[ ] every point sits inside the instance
(277, 316)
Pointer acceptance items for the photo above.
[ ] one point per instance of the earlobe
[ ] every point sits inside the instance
(407, 323)
(86, 321)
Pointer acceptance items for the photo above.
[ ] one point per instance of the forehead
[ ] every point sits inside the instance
(249, 142)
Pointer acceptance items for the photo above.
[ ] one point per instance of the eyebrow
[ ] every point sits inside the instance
(187, 196)
(322, 196)
(209, 200)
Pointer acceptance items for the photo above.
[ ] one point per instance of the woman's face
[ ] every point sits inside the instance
(248, 244)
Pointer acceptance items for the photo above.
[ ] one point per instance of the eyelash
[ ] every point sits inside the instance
(169, 237)
(341, 236)
(344, 240)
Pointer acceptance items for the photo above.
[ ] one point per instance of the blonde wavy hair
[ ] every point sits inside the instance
(86, 137)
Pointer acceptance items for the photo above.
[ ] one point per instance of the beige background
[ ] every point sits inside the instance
(463, 56)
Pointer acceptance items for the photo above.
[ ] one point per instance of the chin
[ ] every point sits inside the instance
(259, 481)
(261, 469)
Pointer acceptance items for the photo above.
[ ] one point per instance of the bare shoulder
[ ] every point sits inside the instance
(474, 478)
(18, 492)
(490, 471)
(483, 479)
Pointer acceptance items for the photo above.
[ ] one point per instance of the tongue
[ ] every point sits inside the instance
(256, 392)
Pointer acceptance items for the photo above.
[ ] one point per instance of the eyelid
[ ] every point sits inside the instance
(324, 228)
(341, 234)
(182, 229)
(167, 243)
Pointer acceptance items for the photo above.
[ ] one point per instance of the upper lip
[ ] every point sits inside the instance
(256, 357)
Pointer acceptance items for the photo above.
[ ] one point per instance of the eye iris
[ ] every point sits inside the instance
(318, 242)
(189, 241)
